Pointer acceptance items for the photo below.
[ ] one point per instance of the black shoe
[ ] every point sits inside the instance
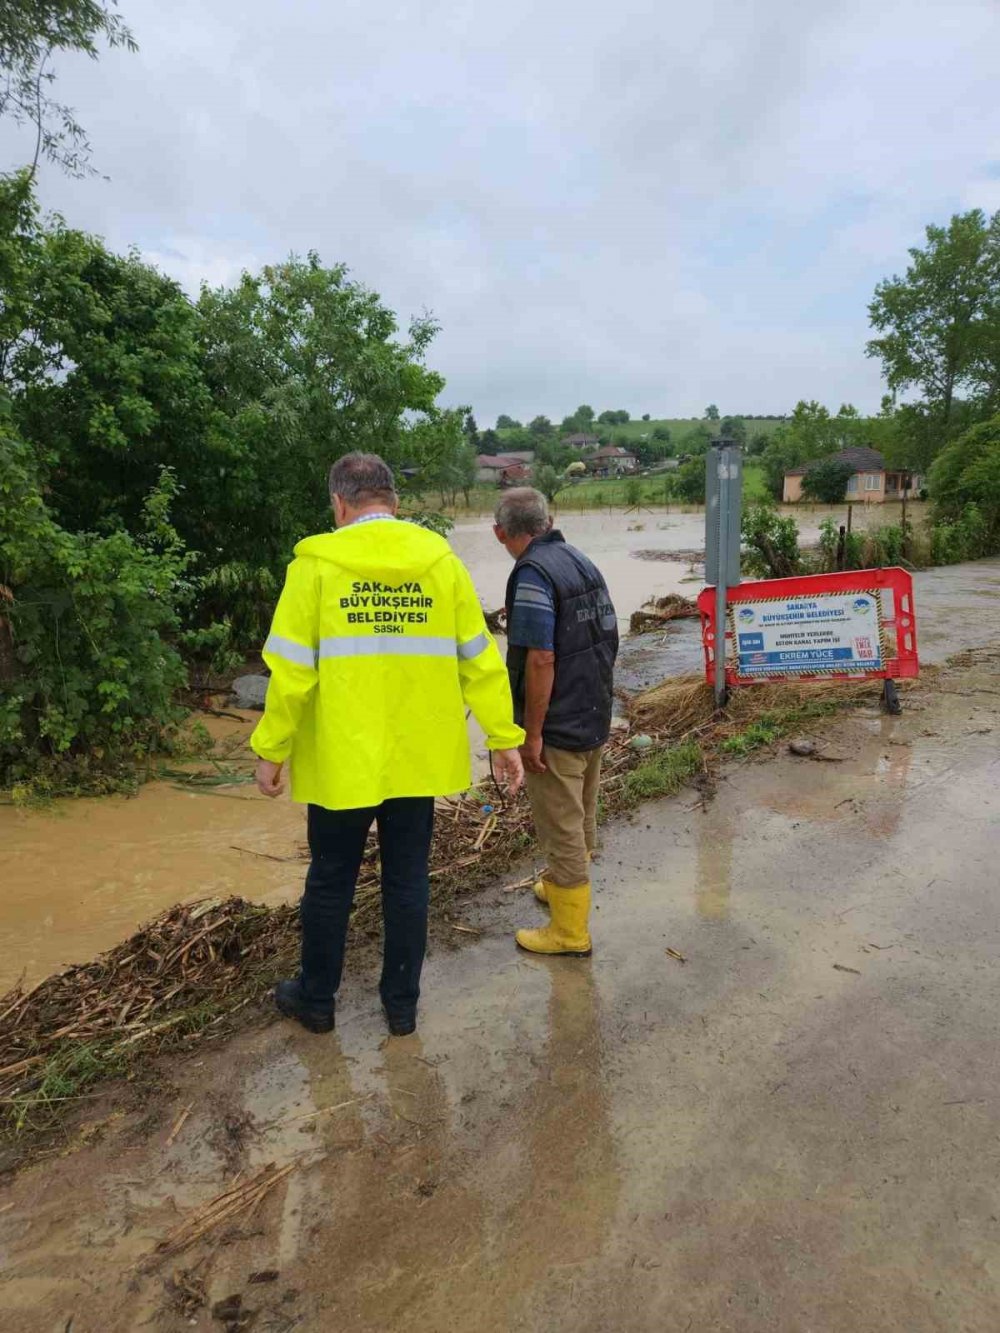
(293, 1004)
(400, 1025)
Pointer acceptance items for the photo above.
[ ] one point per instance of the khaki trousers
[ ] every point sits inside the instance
(564, 807)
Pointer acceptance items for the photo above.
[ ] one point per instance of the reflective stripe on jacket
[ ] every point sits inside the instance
(377, 647)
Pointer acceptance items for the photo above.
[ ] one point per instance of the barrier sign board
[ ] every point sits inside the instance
(828, 632)
(844, 625)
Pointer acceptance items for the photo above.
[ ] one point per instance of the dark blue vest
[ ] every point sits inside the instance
(586, 645)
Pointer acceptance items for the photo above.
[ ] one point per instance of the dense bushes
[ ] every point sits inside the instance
(90, 624)
(159, 458)
(965, 486)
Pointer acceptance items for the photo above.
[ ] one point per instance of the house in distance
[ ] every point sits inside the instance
(870, 482)
(503, 469)
(612, 461)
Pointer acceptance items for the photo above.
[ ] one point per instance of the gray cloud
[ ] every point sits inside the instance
(632, 205)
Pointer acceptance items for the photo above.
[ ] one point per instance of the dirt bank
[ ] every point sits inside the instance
(795, 1128)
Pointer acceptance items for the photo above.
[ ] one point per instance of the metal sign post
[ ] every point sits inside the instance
(723, 510)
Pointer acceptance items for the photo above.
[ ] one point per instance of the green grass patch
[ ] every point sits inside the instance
(621, 492)
(662, 773)
(758, 734)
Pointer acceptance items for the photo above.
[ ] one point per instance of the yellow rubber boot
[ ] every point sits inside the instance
(542, 885)
(567, 931)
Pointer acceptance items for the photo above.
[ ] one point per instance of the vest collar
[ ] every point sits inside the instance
(553, 535)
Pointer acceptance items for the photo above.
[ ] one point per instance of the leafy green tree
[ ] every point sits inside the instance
(770, 543)
(614, 418)
(662, 433)
(541, 427)
(303, 365)
(711, 412)
(645, 416)
(967, 474)
(734, 428)
(826, 481)
(757, 443)
(550, 452)
(505, 422)
(33, 33)
(93, 668)
(689, 484)
(697, 441)
(649, 452)
(438, 446)
(490, 442)
(471, 431)
(939, 324)
(810, 433)
(546, 479)
(107, 383)
(582, 420)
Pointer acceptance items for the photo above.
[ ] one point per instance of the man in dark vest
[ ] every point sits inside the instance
(562, 636)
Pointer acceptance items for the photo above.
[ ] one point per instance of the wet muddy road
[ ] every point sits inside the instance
(80, 877)
(795, 1129)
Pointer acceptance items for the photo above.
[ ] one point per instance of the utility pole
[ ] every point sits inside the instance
(723, 511)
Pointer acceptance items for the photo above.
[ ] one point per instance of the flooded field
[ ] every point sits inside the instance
(80, 876)
(630, 549)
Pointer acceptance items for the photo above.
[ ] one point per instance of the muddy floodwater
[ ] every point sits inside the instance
(81, 875)
(633, 550)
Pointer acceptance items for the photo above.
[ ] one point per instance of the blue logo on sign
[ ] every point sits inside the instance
(746, 615)
(861, 603)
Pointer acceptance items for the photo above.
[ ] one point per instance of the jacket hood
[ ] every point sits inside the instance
(390, 550)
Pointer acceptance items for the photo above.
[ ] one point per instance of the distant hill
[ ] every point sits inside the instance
(679, 427)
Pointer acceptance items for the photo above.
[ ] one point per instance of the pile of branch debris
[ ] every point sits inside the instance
(658, 611)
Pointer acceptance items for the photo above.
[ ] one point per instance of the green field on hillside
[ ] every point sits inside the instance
(610, 494)
(619, 492)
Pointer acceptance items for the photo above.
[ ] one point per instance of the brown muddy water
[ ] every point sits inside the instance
(80, 876)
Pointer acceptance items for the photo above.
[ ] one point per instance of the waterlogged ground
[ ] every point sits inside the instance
(81, 876)
(616, 541)
(796, 1128)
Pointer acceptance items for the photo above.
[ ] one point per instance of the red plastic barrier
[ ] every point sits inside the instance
(891, 589)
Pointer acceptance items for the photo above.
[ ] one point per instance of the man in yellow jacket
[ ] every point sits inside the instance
(377, 647)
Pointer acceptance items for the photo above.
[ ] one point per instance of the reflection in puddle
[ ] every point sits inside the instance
(715, 864)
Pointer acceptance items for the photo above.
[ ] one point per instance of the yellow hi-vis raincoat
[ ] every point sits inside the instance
(377, 647)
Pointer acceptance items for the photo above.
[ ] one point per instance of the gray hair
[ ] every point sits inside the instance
(362, 479)
(522, 512)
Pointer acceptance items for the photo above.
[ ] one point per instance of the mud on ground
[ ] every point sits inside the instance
(794, 1128)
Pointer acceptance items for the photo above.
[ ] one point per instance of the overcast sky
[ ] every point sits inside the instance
(652, 206)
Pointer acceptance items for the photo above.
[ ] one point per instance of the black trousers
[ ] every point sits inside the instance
(336, 844)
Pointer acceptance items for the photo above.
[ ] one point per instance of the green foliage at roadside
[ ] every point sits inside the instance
(968, 473)
(755, 737)
(770, 542)
(664, 772)
(89, 662)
